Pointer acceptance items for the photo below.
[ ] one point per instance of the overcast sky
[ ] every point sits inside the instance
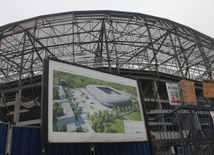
(197, 14)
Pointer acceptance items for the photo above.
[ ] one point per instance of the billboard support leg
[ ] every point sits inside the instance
(92, 149)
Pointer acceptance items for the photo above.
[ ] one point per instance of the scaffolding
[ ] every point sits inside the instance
(152, 49)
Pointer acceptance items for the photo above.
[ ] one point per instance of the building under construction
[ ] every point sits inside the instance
(153, 50)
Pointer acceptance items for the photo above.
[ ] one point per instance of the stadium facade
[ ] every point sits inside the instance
(153, 50)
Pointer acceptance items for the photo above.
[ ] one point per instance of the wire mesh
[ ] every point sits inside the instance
(182, 130)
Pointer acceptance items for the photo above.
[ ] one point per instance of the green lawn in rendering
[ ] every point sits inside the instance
(134, 116)
(117, 126)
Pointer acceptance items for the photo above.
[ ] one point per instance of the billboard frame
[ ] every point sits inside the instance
(45, 132)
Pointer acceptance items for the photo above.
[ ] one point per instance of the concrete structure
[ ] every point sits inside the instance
(108, 96)
(69, 117)
(151, 49)
(61, 93)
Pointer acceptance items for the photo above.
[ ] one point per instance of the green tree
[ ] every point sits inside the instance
(126, 109)
(100, 128)
(95, 114)
(63, 128)
(88, 115)
(59, 112)
(116, 113)
(55, 127)
(96, 119)
(80, 110)
(107, 117)
(76, 115)
(101, 119)
(76, 104)
(79, 129)
(106, 128)
(122, 109)
(118, 110)
(100, 113)
(133, 107)
(129, 108)
(55, 94)
(74, 99)
(137, 107)
(92, 118)
(112, 113)
(94, 125)
(72, 106)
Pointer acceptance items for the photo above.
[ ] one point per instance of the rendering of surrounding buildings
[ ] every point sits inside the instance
(69, 117)
(94, 99)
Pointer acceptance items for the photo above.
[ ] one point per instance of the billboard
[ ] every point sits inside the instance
(208, 89)
(188, 92)
(173, 93)
(85, 105)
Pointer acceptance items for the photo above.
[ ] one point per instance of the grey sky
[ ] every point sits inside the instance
(197, 14)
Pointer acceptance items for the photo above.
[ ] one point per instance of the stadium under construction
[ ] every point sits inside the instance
(152, 50)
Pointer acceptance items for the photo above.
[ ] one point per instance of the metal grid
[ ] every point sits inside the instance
(123, 42)
(104, 38)
(186, 130)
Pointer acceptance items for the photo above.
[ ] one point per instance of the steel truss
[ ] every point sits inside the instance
(153, 49)
(105, 39)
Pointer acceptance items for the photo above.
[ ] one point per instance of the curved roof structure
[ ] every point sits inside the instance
(109, 39)
(138, 45)
(108, 96)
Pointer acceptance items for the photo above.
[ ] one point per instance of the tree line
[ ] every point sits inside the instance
(101, 118)
(78, 81)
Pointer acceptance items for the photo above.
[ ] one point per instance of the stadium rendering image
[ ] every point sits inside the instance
(153, 50)
(108, 96)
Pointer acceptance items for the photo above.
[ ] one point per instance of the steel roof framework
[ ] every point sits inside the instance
(105, 39)
(111, 39)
